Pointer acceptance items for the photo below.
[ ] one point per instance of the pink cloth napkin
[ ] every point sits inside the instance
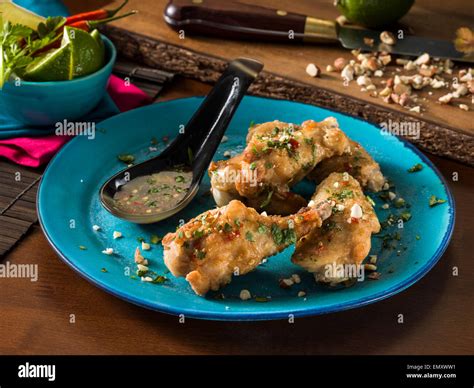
(36, 151)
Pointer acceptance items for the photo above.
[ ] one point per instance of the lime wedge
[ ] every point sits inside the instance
(53, 66)
(80, 54)
(87, 54)
(19, 15)
(374, 13)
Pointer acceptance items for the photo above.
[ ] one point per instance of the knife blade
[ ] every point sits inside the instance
(227, 19)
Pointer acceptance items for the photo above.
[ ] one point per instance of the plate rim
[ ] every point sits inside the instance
(228, 315)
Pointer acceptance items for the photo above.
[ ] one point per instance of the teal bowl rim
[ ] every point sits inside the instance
(107, 67)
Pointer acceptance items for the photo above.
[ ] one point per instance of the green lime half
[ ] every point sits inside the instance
(374, 13)
(53, 66)
(19, 15)
(87, 54)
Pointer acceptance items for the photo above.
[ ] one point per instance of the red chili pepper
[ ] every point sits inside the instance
(294, 144)
(94, 15)
(88, 25)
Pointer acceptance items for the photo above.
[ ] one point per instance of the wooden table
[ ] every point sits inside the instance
(36, 317)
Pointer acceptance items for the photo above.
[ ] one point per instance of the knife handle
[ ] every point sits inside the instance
(243, 21)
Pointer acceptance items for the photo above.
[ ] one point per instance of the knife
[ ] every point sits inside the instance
(235, 20)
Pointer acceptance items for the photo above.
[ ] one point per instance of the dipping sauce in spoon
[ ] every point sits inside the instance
(154, 193)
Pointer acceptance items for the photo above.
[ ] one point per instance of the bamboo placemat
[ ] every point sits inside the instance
(18, 188)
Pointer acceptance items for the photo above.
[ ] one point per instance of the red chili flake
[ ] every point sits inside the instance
(294, 144)
(354, 220)
(232, 235)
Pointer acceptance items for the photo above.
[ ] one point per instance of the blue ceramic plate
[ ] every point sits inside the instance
(69, 206)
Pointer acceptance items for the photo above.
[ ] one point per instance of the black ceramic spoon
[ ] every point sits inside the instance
(194, 147)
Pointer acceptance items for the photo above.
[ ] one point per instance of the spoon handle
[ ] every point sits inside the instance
(204, 131)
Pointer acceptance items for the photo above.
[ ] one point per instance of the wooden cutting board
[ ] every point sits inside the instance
(444, 130)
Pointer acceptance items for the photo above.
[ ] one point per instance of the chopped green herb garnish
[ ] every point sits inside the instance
(371, 201)
(261, 299)
(249, 236)
(180, 234)
(179, 179)
(346, 193)
(126, 158)
(104, 270)
(159, 279)
(399, 202)
(262, 228)
(227, 227)
(405, 216)
(141, 273)
(252, 124)
(154, 239)
(82, 247)
(198, 233)
(200, 255)
(253, 166)
(268, 165)
(415, 168)
(436, 201)
(267, 200)
(418, 237)
(237, 222)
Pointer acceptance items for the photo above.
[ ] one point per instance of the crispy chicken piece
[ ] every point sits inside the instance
(277, 156)
(356, 162)
(345, 237)
(233, 239)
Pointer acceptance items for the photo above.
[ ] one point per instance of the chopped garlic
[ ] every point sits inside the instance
(117, 235)
(108, 251)
(356, 211)
(145, 246)
(245, 294)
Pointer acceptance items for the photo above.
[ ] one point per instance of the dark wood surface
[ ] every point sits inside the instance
(444, 130)
(438, 310)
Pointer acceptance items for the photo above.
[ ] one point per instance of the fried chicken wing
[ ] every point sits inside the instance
(345, 237)
(357, 162)
(233, 240)
(277, 156)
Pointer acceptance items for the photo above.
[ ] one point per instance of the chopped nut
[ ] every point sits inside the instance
(108, 251)
(368, 41)
(446, 98)
(466, 78)
(139, 259)
(312, 70)
(245, 295)
(95, 228)
(370, 267)
(403, 99)
(464, 107)
(340, 63)
(387, 38)
(371, 87)
(142, 268)
(296, 278)
(116, 235)
(410, 65)
(373, 259)
(395, 98)
(369, 64)
(341, 20)
(363, 80)
(330, 68)
(386, 92)
(378, 73)
(401, 61)
(385, 59)
(415, 109)
(402, 89)
(436, 84)
(286, 283)
(145, 246)
(423, 59)
(461, 90)
(347, 73)
(301, 294)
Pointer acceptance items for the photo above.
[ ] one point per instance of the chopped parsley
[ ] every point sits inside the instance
(405, 216)
(262, 228)
(267, 200)
(179, 179)
(227, 227)
(436, 201)
(154, 239)
(346, 193)
(253, 166)
(415, 168)
(126, 158)
(249, 236)
(283, 236)
(200, 255)
(159, 279)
